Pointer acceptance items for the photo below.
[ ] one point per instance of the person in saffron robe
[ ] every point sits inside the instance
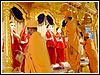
(91, 53)
(50, 43)
(37, 58)
(73, 51)
(60, 46)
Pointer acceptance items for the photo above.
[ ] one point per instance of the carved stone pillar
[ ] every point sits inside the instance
(7, 40)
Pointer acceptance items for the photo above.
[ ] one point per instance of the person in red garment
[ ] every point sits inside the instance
(24, 43)
(24, 38)
(15, 46)
(60, 46)
(50, 43)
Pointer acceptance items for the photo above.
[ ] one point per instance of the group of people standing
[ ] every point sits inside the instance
(38, 55)
(73, 52)
(55, 45)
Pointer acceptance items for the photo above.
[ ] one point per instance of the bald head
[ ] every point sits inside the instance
(86, 34)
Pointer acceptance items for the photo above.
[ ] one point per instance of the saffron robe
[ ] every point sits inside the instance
(37, 58)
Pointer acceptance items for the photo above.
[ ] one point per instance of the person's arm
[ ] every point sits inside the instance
(23, 42)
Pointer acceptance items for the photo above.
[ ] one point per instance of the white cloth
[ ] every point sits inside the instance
(66, 64)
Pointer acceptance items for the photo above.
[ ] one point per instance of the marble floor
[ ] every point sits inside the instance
(84, 68)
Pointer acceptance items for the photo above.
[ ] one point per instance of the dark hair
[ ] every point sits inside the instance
(11, 22)
(64, 23)
(81, 34)
(57, 28)
(47, 26)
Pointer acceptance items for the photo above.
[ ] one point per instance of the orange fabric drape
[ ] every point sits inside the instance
(92, 55)
(73, 51)
(37, 58)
